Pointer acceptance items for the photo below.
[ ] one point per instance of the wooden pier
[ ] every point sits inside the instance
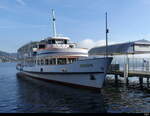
(131, 73)
(128, 73)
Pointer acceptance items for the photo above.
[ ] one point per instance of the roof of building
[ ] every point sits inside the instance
(135, 47)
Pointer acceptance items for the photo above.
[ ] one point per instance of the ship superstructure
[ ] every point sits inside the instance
(51, 51)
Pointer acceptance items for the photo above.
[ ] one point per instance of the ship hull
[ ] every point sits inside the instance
(83, 77)
(74, 80)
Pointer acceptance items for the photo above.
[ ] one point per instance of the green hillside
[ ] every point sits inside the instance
(7, 57)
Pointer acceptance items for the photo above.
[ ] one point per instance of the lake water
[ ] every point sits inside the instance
(25, 95)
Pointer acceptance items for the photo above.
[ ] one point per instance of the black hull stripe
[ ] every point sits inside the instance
(21, 74)
(63, 72)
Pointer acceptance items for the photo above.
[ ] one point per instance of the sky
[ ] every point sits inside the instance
(23, 21)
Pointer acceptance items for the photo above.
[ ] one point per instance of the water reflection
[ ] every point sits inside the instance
(39, 96)
(126, 100)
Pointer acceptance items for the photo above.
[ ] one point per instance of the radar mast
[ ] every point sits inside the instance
(54, 23)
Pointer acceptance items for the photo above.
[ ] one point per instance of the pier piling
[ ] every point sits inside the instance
(147, 82)
(127, 81)
(141, 82)
(136, 67)
(116, 79)
(126, 71)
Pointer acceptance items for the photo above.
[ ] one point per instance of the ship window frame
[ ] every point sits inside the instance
(46, 61)
(61, 61)
(53, 41)
(38, 62)
(65, 41)
(60, 41)
(71, 60)
(50, 61)
(49, 41)
(53, 61)
(42, 62)
(43, 46)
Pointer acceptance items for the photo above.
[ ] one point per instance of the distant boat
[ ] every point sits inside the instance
(54, 59)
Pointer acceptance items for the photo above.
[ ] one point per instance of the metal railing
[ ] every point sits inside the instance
(134, 64)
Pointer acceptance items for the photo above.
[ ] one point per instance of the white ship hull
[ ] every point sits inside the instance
(89, 73)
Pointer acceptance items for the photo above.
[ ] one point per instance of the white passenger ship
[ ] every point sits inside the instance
(54, 59)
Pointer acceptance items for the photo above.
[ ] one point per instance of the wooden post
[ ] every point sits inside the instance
(127, 81)
(147, 82)
(141, 82)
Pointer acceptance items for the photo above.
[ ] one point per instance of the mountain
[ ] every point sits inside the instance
(7, 57)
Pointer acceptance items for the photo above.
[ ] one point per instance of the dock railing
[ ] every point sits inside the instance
(134, 64)
(131, 66)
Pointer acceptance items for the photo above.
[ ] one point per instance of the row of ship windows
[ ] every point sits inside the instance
(52, 61)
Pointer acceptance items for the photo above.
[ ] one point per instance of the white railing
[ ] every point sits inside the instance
(134, 64)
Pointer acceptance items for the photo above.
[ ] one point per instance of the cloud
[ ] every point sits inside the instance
(89, 43)
(21, 2)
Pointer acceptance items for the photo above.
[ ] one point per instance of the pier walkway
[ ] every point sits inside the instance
(131, 73)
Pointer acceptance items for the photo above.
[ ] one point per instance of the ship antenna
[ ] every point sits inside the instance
(54, 23)
(107, 31)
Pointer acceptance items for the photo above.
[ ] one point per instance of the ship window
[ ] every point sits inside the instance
(65, 41)
(49, 41)
(41, 46)
(61, 61)
(50, 61)
(53, 41)
(53, 61)
(71, 60)
(59, 41)
(42, 61)
(38, 62)
(46, 61)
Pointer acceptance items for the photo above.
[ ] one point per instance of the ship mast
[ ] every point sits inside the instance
(54, 23)
(107, 31)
